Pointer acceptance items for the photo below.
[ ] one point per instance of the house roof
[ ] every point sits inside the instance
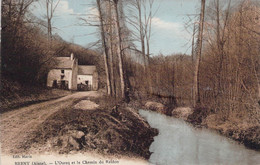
(86, 69)
(63, 63)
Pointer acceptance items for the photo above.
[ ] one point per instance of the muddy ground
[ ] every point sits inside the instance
(78, 123)
(103, 129)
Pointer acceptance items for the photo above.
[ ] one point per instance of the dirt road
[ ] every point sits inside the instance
(18, 124)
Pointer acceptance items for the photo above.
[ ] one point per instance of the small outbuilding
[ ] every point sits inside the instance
(87, 78)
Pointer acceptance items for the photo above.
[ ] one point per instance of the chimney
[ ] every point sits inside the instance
(71, 56)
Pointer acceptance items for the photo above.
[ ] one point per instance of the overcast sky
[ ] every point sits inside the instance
(168, 31)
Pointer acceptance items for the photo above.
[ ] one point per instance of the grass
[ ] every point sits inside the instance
(241, 128)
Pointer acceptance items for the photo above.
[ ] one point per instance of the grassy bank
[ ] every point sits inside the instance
(237, 126)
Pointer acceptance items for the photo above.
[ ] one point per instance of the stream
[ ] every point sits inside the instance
(180, 143)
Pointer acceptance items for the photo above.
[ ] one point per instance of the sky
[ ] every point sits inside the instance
(169, 35)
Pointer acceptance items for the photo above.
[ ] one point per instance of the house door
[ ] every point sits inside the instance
(87, 85)
(64, 84)
(54, 84)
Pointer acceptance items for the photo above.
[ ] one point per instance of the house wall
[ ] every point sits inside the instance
(92, 79)
(55, 74)
(83, 78)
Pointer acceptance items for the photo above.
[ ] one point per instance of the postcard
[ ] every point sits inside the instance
(124, 82)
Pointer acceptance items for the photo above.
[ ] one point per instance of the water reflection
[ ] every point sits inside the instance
(179, 143)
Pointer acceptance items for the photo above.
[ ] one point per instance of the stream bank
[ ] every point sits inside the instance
(245, 132)
(179, 142)
(239, 129)
(100, 128)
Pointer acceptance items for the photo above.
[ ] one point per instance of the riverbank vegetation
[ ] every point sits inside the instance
(228, 81)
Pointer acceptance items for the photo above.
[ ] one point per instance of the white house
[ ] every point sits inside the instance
(63, 74)
(87, 78)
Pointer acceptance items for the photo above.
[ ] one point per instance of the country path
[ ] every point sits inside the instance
(18, 124)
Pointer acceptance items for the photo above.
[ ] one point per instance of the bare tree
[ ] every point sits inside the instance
(230, 71)
(13, 32)
(111, 52)
(220, 35)
(119, 49)
(193, 38)
(142, 23)
(141, 27)
(50, 9)
(196, 94)
(105, 46)
(15, 12)
(148, 27)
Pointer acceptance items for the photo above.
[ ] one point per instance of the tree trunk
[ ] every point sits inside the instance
(119, 51)
(196, 94)
(139, 7)
(50, 9)
(192, 44)
(220, 51)
(105, 52)
(113, 89)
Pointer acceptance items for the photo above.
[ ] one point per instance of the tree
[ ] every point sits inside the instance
(119, 49)
(230, 68)
(111, 52)
(196, 94)
(105, 46)
(13, 35)
(50, 9)
(148, 28)
(142, 23)
(192, 44)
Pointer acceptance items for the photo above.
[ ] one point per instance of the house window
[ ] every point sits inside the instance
(62, 76)
(62, 71)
